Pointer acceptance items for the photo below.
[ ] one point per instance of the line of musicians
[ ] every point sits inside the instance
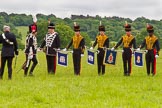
(150, 43)
(52, 41)
(128, 41)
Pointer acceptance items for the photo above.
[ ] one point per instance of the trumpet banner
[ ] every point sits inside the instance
(90, 57)
(138, 59)
(62, 59)
(110, 57)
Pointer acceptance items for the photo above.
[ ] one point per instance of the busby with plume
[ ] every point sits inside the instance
(101, 27)
(33, 27)
(127, 26)
(51, 25)
(150, 28)
(76, 27)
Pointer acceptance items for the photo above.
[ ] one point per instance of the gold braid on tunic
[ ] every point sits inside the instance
(101, 40)
(127, 40)
(76, 41)
(150, 40)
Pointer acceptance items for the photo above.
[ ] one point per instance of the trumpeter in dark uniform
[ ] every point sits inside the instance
(103, 42)
(52, 44)
(151, 44)
(9, 47)
(78, 48)
(129, 42)
(31, 49)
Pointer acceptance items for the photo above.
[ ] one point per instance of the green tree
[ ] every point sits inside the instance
(65, 32)
(42, 30)
(87, 38)
(140, 36)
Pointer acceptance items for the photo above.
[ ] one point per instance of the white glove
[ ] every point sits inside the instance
(138, 49)
(98, 51)
(156, 56)
(58, 49)
(91, 48)
(112, 49)
(82, 55)
(64, 49)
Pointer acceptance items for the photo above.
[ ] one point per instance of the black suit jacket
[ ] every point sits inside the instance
(8, 49)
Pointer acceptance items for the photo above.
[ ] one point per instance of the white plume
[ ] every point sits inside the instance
(34, 18)
(75, 24)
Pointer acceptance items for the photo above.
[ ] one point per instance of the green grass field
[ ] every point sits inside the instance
(64, 90)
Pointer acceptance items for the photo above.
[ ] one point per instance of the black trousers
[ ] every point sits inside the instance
(151, 61)
(100, 58)
(77, 61)
(127, 63)
(9, 65)
(51, 64)
(35, 62)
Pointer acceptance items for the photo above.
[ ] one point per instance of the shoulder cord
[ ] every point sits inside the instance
(8, 41)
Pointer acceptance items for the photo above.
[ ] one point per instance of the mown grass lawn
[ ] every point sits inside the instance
(64, 90)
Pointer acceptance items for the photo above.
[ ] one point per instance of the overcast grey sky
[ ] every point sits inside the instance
(151, 9)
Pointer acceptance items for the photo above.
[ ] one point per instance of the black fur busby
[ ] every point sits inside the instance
(150, 28)
(77, 28)
(127, 27)
(51, 26)
(101, 28)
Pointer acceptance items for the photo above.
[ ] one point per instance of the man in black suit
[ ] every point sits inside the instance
(9, 47)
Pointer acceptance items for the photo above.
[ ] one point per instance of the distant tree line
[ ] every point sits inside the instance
(88, 24)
